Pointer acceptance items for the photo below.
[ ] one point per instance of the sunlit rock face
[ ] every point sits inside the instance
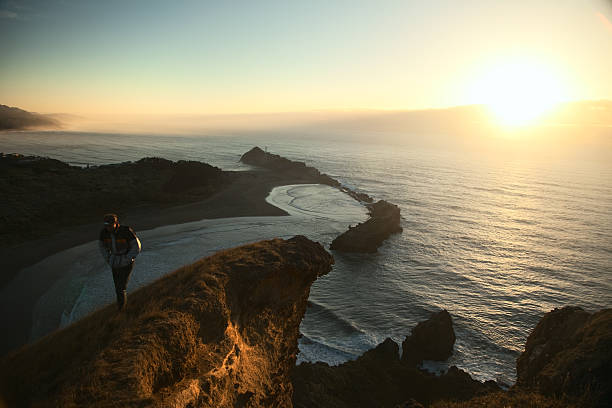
(221, 332)
(570, 352)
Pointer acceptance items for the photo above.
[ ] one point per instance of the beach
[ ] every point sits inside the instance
(246, 198)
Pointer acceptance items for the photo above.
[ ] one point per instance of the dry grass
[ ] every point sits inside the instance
(513, 399)
(211, 333)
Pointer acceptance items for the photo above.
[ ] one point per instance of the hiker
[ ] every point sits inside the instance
(119, 246)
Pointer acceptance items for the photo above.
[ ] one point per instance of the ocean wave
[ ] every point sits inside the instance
(327, 318)
(311, 350)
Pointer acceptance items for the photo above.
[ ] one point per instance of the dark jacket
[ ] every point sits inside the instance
(120, 247)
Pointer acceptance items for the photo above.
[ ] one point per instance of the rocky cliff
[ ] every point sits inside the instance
(221, 332)
(380, 378)
(570, 353)
(566, 363)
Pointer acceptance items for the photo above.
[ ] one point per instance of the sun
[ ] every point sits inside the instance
(519, 92)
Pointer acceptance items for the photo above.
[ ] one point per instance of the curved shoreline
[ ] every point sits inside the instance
(39, 293)
(245, 197)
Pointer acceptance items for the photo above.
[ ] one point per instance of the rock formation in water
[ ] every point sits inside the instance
(432, 339)
(570, 353)
(365, 237)
(368, 236)
(379, 378)
(274, 162)
(221, 332)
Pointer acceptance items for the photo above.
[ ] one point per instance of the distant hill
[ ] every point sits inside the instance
(15, 118)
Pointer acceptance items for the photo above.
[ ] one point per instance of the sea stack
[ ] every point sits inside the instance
(368, 236)
(379, 378)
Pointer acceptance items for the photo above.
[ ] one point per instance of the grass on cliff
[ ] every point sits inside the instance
(513, 399)
(212, 326)
(132, 355)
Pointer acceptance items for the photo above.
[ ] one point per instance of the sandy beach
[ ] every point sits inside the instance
(246, 197)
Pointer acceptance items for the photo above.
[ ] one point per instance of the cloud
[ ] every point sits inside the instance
(605, 21)
(8, 14)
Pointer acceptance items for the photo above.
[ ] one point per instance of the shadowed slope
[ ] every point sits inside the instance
(15, 118)
(221, 332)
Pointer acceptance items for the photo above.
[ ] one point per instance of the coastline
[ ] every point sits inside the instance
(246, 197)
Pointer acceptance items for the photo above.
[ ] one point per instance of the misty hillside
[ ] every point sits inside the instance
(15, 118)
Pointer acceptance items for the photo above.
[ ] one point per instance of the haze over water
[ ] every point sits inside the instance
(497, 242)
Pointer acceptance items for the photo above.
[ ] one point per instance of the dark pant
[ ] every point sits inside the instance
(121, 276)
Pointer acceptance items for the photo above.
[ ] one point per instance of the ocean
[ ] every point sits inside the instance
(496, 241)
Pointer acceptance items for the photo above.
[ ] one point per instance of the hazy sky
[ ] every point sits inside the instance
(194, 57)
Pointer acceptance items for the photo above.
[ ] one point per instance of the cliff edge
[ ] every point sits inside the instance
(221, 332)
(569, 353)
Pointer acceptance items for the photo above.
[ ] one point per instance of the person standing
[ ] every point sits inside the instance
(119, 246)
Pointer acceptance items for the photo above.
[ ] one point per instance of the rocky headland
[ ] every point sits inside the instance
(223, 332)
(565, 364)
(257, 157)
(380, 378)
(366, 237)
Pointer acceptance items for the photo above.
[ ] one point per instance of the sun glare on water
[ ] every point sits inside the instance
(518, 93)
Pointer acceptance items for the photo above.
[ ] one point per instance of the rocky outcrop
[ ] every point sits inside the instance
(368, 236)
(365, 237)
(432, 339)
(274, 162)
(570, 353)
(221, 332)
(379, 378)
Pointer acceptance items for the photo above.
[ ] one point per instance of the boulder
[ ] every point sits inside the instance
(432, 339)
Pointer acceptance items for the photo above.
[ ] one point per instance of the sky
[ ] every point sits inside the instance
(218, 57)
